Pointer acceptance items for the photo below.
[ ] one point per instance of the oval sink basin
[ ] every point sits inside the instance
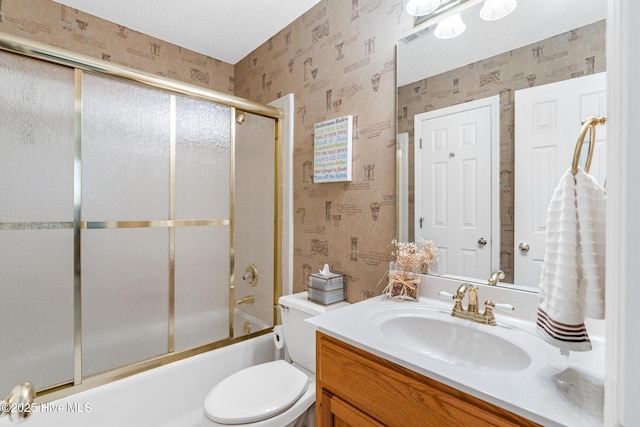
(454, 343)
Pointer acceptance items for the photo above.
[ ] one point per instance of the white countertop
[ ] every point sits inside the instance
(553, 390)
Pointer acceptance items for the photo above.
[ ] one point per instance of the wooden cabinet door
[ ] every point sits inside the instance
(335, 412)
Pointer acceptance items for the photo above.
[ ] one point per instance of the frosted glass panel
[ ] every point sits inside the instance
(125, 150)
(125, 296)
(36, 307)
(254, 214)
(36, 140)
(202, 285)
(203, 157)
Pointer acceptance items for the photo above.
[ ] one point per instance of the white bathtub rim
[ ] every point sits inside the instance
(159, 395)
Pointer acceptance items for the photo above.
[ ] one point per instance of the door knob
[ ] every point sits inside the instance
(524, 247)
(482, 242)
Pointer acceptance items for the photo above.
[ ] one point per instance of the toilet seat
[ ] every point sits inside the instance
(256, 393)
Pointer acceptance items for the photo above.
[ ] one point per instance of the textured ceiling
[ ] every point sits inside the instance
(227, 30)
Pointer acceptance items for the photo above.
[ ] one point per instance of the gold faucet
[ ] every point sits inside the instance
(495, 277)
(471, 312)
(246, 300)
(472, 305)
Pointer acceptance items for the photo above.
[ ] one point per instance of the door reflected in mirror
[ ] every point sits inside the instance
(541, 43)
(454, 204)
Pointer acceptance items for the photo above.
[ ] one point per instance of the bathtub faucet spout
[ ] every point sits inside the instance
(246, 300)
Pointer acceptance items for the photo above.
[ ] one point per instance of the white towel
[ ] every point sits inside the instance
(573, 273)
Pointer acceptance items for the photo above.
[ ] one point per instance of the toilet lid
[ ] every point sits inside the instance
(256, 393)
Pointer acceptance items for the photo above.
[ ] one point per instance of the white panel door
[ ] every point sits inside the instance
(548, 120)
(453, 186)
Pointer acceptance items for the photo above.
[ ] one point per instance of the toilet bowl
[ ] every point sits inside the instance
(278, 393)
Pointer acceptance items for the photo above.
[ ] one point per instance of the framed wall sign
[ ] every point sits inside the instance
(332, 150)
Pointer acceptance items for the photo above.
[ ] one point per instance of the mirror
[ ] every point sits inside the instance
(541, 42)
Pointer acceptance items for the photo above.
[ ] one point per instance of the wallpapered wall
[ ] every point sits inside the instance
(337, 59)
(58, 25)
(576, 53)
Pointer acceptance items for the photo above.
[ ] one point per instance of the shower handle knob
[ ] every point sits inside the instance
(524, 247)
(251, 275)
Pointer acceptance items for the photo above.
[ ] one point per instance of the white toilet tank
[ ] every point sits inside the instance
(300, 336)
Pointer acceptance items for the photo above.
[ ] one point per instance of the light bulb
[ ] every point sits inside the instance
(497, 9)
(422, 7)
(450, 27)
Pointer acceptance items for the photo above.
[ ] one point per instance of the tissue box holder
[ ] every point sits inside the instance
(326, 289)
(326, 297)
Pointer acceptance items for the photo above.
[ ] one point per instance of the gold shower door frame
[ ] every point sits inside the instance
(81, 63)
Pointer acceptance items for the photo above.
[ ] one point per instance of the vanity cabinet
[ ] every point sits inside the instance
(357, 388)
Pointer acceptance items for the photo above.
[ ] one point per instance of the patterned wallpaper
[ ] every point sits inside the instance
(58, 25)
(573, 54)
(337, 59)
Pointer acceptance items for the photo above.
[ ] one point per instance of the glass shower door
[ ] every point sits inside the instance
(156, 201)
(128, 214)
(36, 222)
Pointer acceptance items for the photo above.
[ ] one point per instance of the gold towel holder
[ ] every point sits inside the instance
(588, 123)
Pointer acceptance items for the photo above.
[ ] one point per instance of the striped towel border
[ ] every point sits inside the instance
(571, 337)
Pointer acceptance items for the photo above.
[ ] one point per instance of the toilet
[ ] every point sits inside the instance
(278, 393)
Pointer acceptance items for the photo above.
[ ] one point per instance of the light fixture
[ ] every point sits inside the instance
(422, 7)
(497, 9)
(450, 27)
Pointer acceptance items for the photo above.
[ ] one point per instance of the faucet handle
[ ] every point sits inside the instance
(445, 295)
(457, 298)
(500, 306)
(251, 275)
(504, 307)
(488, 311)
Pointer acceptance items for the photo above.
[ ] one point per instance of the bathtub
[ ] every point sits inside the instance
(168, 396)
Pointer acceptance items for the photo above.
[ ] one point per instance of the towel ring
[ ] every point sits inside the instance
(589, 123)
